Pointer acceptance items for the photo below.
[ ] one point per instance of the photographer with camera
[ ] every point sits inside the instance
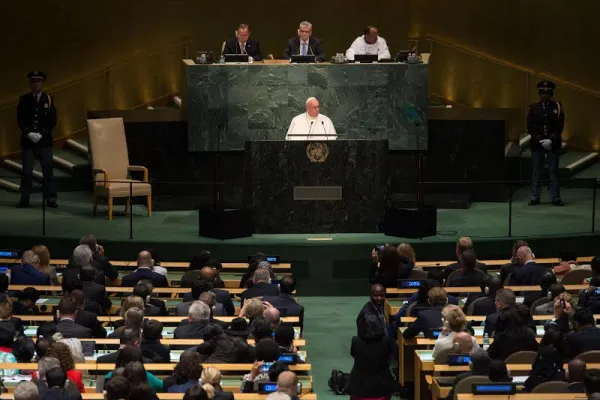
(387, 266)
(563, 311)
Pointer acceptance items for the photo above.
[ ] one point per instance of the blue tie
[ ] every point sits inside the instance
(303, 49)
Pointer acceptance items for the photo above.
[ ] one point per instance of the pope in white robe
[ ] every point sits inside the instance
(311, 125)
(369, 43)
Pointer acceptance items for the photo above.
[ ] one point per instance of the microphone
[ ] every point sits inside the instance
(310, 48)
(311, 125)
(324, 130)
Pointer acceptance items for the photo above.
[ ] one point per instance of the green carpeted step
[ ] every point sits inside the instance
(592, 171)
(8, 175)
(71, 156)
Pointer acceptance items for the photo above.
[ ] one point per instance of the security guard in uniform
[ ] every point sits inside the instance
(36, 116)
(545, 122)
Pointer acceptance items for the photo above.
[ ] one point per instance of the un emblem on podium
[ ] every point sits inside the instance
(317, 152)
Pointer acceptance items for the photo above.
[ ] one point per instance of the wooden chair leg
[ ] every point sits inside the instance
(149, 204)
(110, 208)
(95, 205)
(128, 206)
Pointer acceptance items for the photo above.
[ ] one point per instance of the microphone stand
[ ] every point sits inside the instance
(217, 205)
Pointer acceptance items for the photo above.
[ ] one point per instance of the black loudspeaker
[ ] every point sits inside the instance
(225, 224)
(411, 222)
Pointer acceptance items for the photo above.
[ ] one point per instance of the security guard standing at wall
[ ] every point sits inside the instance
(545, 122)
(36, 116)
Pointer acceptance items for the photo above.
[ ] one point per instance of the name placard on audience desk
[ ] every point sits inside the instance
(522, 396)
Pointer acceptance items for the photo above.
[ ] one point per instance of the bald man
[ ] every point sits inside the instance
(311, 125)
(272, 315)
(287, 382)
(575, 375)
(144, 271)
(369, 43)
(463, 342)
(529, 272)
(375, 306)
(206, 278)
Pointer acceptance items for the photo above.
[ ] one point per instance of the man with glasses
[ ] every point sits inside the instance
(305, 44)
(242, 44)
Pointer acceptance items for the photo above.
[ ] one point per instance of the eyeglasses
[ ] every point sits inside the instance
(304, 31)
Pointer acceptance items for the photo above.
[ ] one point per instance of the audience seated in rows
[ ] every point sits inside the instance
(463, 244)
(512, 334)
(261, 284)
(198, 320)
(82, 256)
(145, 264)
(206, 282)
(420, 300)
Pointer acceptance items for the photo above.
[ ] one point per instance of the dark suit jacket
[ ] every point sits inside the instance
(157, 279)
(159, 349)
(252, 48)
(222, 296)
(96, 293)
(427, 319)
(508, 269)
(450, 268)
(584, 340)
(70, 329)
(221, 395)
(36, 116)
(259, 290)
(507, 343)
(315, 46)
(57, 393)
(28, 275)
(17, 323)
(160, 305)
(103, 264)
(370, 375)
(490, 323)
(292, 308)
(467, 278)
(528, 274)
(72, 273)
(89, 320)
(195, 330)
(485, 306)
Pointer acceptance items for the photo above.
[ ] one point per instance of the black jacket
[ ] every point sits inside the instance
(57, 393)
(315, 46)
(466, 278)
(157, 279)
(161, 305)
(389, 279)
(528, 274)
(486, 306)
(508, 269)
(89, 320)
(490, 323)
(377, 312)
(36, 116)
(450, 268)
(195, 330)
(507, 343)
(222, 296)
(252, 48)
(103, 264)
(17, 323)
(223, 349)
(159, 349)
(581, 341)
(72, 273)
(545, 122)
(285, 302)
(96, 293)
(370, 375)
(259, 290)
(427, 319)
(69, 329)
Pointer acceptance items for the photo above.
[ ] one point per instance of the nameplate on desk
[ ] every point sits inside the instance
(317, 193)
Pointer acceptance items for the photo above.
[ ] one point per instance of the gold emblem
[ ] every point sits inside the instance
(317, 152)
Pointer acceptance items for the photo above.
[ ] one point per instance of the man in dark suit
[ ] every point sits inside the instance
(151, 335)
(284, 302)
(575, 375)
(36, 116)
(56, 378)
(545, 123)
(261, 286)
(514, 263)
(205, 283)
(430, 318)
(586, 336)
(27, 272)
(304, 44)
(479, 365)
(242, 44)
(468, 275)
(548, 279)
(85, 318)
(144, 271)
(94, 292)
(99, 260)
(487, 304)
(505, 299)
(82, 256)
(530, 272)
(196, 324)
(374, 306)
(67, 313)
(153, 307)
(462, 244)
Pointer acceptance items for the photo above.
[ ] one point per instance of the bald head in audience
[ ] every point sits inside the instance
(272, 315)
(524, 254)
(287, 383)
(463, 343)
(207, 274)
(576, 371)
(463, 244)
(144, 259)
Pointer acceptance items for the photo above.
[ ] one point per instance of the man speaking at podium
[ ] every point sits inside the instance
(311, 125)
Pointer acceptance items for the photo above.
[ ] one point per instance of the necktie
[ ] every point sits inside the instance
(303, 49)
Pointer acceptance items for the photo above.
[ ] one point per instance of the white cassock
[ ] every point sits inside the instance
(305, 127)
(359, 46)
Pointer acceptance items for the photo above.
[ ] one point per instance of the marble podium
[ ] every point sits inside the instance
(312, 186)
(226, 105)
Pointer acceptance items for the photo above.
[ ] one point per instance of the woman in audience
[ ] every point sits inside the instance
(62, 353)
(252, 309)
(118, 388)
(24, 349)
(127, 303)
(188, 356)
(212, 376)
(44, 266)
(138, 379)
(453, 321)
(498, 372)
(203, 392)
(129, 354)
(512, 335)
(548, 366)
(74, 346)
(187, 374)
(370, 376)
(6, 314)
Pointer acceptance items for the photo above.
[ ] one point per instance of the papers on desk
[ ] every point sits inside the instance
(16, 378)
(41, 301)
(519, 299)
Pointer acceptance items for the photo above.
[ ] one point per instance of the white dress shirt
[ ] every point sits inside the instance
(359, 46)
(305, 127)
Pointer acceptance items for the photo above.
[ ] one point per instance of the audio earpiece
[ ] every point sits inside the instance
(486, 290)
(549, 295)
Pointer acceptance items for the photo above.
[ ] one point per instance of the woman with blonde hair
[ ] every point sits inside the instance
(44, 265)
(212, 376)
(454, 321)
(74, 346)
(127, 303)
(252, 309)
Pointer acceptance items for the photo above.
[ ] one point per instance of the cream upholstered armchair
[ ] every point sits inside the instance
(110, 165)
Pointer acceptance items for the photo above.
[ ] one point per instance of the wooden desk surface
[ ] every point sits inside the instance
(177, 396)
(102, 318)
(91, 366)
(477, 289)
(481, 318)
(512, 367)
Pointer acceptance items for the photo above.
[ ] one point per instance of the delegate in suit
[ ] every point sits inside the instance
(242, 44)
(305, 44)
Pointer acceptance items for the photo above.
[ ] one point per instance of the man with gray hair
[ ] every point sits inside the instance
(82, 256)
(305, 44)
(311, 125)
(195, 325)
(479, 365)
(27, 273)
(26, 391)
(261, 286)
